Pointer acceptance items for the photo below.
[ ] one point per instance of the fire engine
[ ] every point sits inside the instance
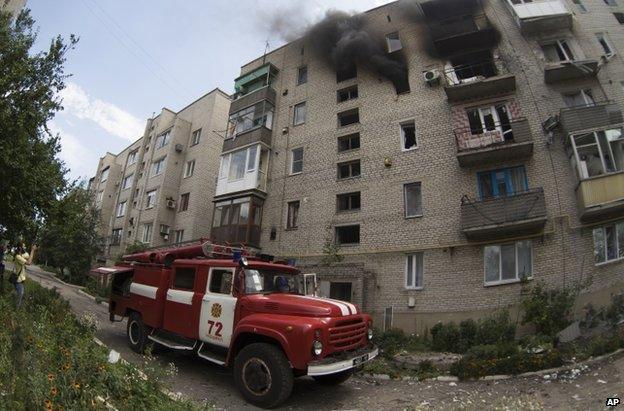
(241, 310)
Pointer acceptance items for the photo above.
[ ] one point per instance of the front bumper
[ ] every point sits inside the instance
(342, 362)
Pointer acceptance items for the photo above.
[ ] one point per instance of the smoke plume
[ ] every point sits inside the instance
(344, 41)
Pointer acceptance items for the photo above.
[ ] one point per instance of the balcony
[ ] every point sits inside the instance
(478, 80)
(256, 79)
(570, 70)
(504, 217)
(599, 115)
(601, 198)
(505, 142)
(237, 221)
(243, 170)
(244, 101)
(259, 134)
(459, 34)
(541, 16)
(237, 235)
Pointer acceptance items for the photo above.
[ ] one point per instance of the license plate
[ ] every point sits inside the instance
(360, 360)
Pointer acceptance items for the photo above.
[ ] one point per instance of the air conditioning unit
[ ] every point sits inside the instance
(179, 148)
(171, 203)
(164, 229)
(432, 77)
(551, 123)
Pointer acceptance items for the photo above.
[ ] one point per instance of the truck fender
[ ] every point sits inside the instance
(260, 331)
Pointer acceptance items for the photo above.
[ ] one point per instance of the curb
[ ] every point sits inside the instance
(86, 294)
(452, 378)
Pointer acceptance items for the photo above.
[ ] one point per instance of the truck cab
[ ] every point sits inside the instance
(241, 310)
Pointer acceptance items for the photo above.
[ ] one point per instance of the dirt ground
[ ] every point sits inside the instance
(204, 382)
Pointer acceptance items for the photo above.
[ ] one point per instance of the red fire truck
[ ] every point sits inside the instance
(234, 308)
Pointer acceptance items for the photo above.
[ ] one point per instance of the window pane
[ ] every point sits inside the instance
(300, 114)
(418, 269)
(184, 278)
(355, 169)
(244, 213)
(409, 273)
(508, 256)
(525, 259)
(492, 263)
(251, 164)
(394, 42)
(413, 200)
(518, 179)
(612, 252)
(237, 165)
(408, 134)
(221, 281)
(485, 184)
(599, 245)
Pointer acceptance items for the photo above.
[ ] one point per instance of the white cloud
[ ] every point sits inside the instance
(78, 157)
(111, 118)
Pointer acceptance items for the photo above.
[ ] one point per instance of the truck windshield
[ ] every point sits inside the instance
(266, 282)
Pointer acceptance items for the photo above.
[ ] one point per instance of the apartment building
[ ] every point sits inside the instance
(488, 154)
(159, 190)
(12, 6)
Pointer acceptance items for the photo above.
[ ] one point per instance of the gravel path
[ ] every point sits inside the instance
(203, 381)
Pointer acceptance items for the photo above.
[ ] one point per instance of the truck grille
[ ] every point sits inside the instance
(347, 335)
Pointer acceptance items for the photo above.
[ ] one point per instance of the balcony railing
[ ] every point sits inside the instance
(479, 79)
(540, 16)
(503, 142)
(246, 100)
(522, 213)
(237, 235)
(601, 198)
(570, 70)
(591, 116)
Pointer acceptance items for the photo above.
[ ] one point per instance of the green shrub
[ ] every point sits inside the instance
(601, 345)
(395, 340)
(531, 342)
(468, 330)
(445, 337)
(615, 312)
(496, 329)
(548, 310)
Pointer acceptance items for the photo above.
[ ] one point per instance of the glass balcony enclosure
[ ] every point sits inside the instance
(237, 221)
(243, 169)
(256, 79)
(597, 152)
(258, 115)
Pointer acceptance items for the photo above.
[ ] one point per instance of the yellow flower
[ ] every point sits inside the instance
(76, 385)
(48, 404)
(66, 367)
(50, 377)
(53, 391)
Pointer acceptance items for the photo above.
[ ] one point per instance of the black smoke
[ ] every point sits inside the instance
(345, 41)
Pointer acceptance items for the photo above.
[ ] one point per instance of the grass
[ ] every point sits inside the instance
(48, 360)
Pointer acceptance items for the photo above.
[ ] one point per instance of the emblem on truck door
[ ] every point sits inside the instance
(215, 310)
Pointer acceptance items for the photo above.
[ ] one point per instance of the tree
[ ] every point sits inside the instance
(69, 237)
(32, 176)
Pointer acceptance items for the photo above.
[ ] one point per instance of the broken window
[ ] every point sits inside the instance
(557, 51)
(348, 201)
(470, 67)
(349, 142)
(408, 136)
(579, 98)
(348, 117)
(349, 93)
(393, 42)
(349, 234)
(346, 73)
(598, 152)
(491, 118)
(349, 169)
(302, 75)
(293, 214)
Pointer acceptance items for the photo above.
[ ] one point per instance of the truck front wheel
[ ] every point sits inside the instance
(136, 331)
(334, 379)
(263, 375)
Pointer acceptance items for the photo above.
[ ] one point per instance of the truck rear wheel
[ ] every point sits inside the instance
(334, 379)
(136, 331)
(263, 375)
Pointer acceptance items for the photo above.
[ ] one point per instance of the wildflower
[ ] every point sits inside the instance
(50, 377)
(54, 391)
(48, 404)
(76, 385)
(66, 367)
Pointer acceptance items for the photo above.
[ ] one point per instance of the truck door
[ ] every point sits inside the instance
(182, 303)
(218, 305)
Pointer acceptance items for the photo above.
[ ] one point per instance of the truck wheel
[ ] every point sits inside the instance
(263, 375)
(334, 379)
(136, 331)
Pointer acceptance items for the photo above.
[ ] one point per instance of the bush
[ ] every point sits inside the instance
(615, 312)
(548, 310)
(48, 360)
(395, 340)
(492, 330)
(602, 345)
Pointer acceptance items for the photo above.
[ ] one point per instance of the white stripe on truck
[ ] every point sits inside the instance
(344, 309)
(143, 290)
(179, 296)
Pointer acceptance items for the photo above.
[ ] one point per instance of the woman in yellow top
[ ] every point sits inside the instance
(22, 259)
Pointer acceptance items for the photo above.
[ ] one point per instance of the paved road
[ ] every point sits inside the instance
(203, 381)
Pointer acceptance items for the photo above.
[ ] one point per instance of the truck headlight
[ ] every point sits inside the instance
(317, 348)
(370, 334)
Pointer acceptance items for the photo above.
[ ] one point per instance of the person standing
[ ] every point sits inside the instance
(22, 259)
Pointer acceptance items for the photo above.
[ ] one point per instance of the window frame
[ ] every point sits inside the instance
(296, 109)
(414, 286)
(559, 43)
(133, 156)
(618, 246)
(517, 278)
(580, 5)
(507, 171)
(389, 50)
(354, 110)
(148, 194)
(116, 239)
(150, 232)
(231, 270)
(292, 160)
(292, 219)
(121, 209)
(179, 236)
(604, 37)
(175, 286)
(350, 163)
(348, 195)
(185, 199)
(349, 137)
(405, 207)
(126, 179)
(343, 226)
(195, 137)
(349, 90)
(163, 139)
(411, 122)
(161, 168)
(189, 168)
(302, 79)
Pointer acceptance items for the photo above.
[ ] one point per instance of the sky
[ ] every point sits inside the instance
(136, 57)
